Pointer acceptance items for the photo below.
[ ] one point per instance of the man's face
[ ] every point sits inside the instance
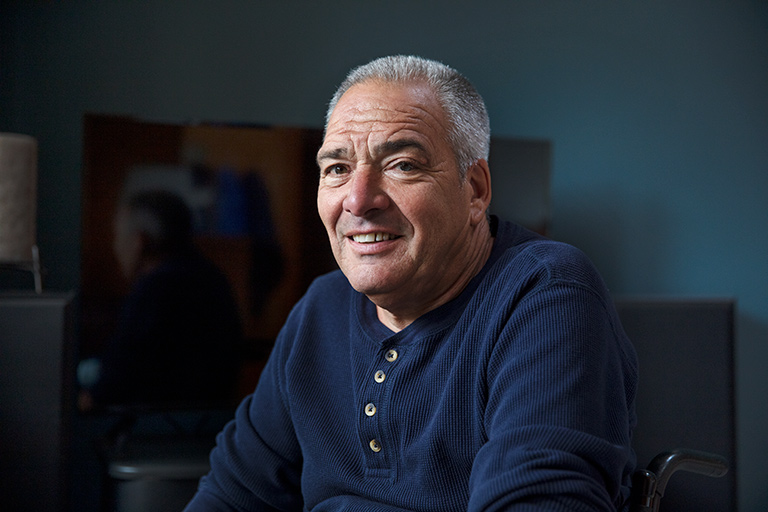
(399, 217)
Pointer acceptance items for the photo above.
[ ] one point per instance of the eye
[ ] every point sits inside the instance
(334, 169)
(405, 166)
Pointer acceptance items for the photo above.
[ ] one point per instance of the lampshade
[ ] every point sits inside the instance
(18, 197)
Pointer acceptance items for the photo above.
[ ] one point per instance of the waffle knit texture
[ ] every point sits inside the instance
(517, 395)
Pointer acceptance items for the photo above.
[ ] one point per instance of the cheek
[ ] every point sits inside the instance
(433, 211)
(437, 223)
(328, 211)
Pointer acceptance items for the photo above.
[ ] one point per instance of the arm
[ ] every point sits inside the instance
(561, 384)
(256, 464)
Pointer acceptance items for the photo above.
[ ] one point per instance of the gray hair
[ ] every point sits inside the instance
(470, 130)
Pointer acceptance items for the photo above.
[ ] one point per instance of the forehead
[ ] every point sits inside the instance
(387, 108)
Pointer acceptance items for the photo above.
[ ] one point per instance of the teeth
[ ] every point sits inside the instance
(372, 237)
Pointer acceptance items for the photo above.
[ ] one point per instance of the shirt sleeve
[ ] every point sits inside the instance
(560, 414)
(256, 464)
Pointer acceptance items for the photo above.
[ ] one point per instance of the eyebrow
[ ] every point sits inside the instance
(398, 145)
(384, 148)
(332, 154)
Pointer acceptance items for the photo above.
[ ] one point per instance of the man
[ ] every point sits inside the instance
(454, 362)
(176, 339)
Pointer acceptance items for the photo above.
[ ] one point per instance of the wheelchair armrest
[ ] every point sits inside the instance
(648, 485)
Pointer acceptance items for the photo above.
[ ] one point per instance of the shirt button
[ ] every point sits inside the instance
(380, 376)
(375, 445)
(391, 355)
(370, 410)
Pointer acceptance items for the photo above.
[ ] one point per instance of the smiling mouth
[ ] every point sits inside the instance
(368, 238)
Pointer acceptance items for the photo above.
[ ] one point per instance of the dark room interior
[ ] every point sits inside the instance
(637, 132)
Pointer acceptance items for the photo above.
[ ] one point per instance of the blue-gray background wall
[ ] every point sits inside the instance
(657, 109)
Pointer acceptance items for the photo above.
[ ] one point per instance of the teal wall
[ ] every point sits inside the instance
(658, 112)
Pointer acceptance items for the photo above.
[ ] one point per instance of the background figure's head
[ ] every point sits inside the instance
(470, 131)
(151, 226)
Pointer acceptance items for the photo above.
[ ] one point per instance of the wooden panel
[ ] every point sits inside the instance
(279, 160)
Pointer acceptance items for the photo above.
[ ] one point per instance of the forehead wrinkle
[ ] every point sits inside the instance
(371, 116)
(332, 154)
(352, 135)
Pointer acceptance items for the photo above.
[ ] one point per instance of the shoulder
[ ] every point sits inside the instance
(521, 255)
(182, 270)
(315, 324)
(327, 298)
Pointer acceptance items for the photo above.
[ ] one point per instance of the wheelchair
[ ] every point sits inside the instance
(649, 484)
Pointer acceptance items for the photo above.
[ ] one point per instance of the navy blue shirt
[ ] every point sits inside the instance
(516, 395)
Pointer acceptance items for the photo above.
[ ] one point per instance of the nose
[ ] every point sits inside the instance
(365, 192)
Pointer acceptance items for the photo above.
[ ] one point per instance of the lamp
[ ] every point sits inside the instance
(18, 205)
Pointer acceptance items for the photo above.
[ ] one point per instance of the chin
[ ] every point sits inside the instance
(370, 285)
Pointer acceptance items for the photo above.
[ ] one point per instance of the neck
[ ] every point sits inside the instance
(400, 314)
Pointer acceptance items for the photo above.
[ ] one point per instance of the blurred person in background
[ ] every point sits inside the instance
(178, 334)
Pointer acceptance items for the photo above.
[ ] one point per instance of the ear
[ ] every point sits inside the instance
(479, 182)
